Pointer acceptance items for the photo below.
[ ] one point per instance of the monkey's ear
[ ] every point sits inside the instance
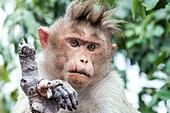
(113, 47)
(43, 33)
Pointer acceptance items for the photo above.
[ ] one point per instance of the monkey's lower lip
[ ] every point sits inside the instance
(77, 80)
(78, 72)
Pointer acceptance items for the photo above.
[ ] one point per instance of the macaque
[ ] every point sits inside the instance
(77, 50)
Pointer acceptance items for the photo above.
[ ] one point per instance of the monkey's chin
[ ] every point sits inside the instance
(77, 81)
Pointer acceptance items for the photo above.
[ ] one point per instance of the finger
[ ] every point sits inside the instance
(72, 96)
(70, 89)
(55, 83)
(73, 101)
(66, 98)
(64, 104)
(58, 96)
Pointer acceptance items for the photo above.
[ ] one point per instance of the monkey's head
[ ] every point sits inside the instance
(77, 47)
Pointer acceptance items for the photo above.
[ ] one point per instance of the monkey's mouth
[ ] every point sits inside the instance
(78, 79)
(79, 72)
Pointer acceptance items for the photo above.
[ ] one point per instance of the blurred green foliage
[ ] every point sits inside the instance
(146, 41)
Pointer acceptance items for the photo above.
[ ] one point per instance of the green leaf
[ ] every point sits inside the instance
(160, 58)
(133, 42)
(167, 69)
(134, 8)
(141, 9)
(14, 94)
(165, 45)
(111, 2)
(164, 94)
(150, 4)
(161, 94)
(158, 31)
(4, 75)
(146, 21)
(154, 101)
(168, 5)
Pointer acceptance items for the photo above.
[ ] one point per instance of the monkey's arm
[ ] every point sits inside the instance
(43, 95)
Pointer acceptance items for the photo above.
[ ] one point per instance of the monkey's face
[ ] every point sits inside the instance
(80, 58)
(85, 57)
(80, 63)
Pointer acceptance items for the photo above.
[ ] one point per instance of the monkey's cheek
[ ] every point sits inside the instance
(77, 80)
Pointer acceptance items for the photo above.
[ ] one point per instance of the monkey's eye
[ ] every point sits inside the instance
(91, 47)
(74, 43)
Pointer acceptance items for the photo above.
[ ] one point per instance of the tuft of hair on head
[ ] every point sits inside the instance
(97, 15)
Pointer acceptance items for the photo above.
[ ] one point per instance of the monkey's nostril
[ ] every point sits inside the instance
(84, 61)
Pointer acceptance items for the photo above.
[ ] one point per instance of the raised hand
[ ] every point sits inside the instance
(44, 96)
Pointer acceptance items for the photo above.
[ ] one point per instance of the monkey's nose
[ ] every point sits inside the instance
(84, 61)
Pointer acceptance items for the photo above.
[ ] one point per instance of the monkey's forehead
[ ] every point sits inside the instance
(65, 27)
